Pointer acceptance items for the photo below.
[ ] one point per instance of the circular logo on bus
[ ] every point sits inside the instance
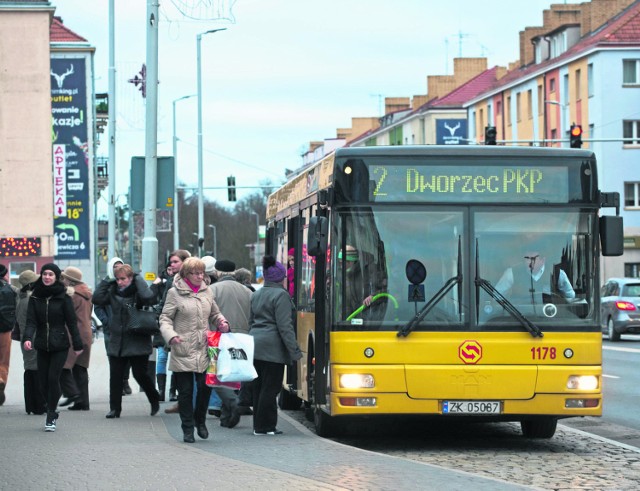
(470, 352)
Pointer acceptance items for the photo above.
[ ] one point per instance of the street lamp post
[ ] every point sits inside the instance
(215, 241)
(199, 76)
(563, 113)
(176, 226)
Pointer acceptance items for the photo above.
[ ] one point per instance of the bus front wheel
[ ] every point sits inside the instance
(326, 426)
(544, 427)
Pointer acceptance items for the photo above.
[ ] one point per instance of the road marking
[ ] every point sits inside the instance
(609, 376)
(628, 350)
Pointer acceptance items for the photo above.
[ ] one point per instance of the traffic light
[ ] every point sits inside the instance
(575, 136)
(200, 242)
(231, 188)
(490, 134)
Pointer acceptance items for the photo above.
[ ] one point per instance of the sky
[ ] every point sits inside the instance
(283, 73)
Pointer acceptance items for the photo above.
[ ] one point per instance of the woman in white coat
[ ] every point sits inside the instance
(184, 322)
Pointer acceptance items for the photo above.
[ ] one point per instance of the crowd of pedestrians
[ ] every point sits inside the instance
(51, 313)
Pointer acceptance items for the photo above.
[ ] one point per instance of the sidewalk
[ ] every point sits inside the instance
(138, 451)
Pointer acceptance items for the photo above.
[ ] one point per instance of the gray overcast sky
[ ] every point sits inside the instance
(285, 72)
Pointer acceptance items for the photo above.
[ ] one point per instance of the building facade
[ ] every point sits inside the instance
(46, 136)
(582, 67)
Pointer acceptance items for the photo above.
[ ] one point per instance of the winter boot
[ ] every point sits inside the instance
(162, 383)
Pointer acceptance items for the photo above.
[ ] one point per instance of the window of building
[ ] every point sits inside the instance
(508, 111)
(578, 84)
(632, 270)
(474, 121)
(632, 194)
(590, 79)
(552, 85)
(529, 104)
(498, 108)
(540, 101)
(630, 72)
(631, 132)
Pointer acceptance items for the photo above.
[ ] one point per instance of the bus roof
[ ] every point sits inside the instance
(319, 175)
(467, 150)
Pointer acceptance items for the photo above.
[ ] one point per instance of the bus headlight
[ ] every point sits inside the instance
(357, 381)
(582, 382)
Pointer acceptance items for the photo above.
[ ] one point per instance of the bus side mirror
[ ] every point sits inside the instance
(611, 236)
(317, 236)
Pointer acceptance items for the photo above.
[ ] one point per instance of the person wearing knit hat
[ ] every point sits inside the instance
(34, 402)
(53, 268)
(51, 318)
(275, 344)
(8, 294)
(74, 380)
(275, 272)
(209, 264)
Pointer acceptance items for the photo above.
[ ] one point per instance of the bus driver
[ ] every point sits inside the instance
(526, 283)
(363, 280)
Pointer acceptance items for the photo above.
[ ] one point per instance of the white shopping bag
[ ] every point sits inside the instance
(235, 360)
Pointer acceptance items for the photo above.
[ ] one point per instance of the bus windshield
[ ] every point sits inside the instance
(547, 275)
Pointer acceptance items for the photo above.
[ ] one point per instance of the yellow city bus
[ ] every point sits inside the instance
(459, 281)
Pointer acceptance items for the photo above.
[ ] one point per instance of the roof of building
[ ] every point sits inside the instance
(622, 29)
(466, 91)
(62, 34)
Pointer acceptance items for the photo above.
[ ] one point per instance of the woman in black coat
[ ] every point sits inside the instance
(126, 289)
(51, 317)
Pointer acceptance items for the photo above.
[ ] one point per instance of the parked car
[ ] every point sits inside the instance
(620, 307)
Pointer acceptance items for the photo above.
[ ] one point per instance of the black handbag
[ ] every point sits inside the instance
(142, 320)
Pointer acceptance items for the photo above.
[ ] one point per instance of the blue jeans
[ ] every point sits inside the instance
(161, 361)
(214, 401)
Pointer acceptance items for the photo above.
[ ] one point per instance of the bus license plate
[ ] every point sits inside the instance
(471, 407)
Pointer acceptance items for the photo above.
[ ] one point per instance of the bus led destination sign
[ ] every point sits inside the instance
(515, 184)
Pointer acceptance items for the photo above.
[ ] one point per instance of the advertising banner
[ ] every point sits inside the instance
(71, 157)
(451, 132)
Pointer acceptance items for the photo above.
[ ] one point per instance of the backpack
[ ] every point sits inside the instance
(7, 307)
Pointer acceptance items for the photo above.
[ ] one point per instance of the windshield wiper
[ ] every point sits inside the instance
(450, 283)
(502, 301)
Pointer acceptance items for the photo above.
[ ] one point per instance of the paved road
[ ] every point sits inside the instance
(137, 451)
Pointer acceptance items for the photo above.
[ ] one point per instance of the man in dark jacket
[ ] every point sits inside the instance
(8, 295)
